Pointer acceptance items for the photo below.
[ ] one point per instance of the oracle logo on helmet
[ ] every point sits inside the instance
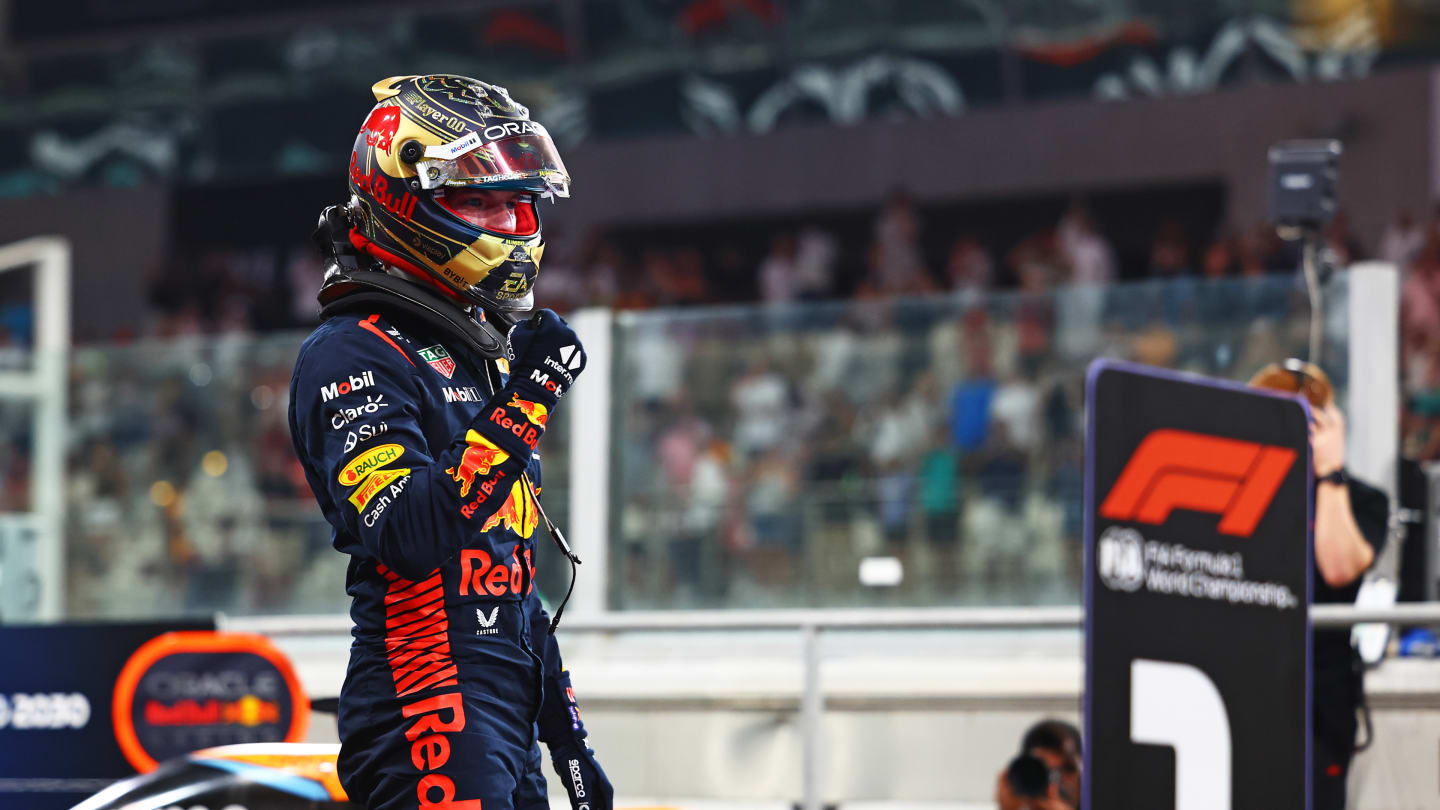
(497, 131)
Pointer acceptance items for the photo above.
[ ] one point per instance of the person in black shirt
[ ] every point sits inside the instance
(1351, 522)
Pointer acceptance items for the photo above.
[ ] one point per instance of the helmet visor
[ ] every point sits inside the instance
(499, 211)
(526, 161)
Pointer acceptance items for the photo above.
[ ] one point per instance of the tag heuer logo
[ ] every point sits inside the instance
(439, 359)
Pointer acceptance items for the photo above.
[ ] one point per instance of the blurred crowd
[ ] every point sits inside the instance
(185, 495)
(766, 453)
(900, 251)
(895, 408)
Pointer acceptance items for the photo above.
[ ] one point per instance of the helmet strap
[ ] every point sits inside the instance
(368, 290)
(353, 281)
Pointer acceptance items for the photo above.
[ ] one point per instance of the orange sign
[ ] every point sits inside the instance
(234, 687)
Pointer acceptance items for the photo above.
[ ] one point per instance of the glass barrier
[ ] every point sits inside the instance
(760, 455)
(185, 496)
(896, 452)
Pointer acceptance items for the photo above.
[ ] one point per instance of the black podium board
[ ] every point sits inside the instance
(1197, 587)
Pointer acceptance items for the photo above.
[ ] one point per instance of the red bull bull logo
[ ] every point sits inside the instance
(381, 126)
(519, 513)
(533, 411)
(479, 457)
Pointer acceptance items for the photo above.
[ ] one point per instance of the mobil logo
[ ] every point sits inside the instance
(340, 388)
(542, 379)
(467, 393)
(1178, 469)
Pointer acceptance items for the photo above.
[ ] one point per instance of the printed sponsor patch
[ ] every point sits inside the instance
(340, 388)
(382, 499)
(358, 468)
(467, 394)
(439, 359)
(479, 456)
(375, 482)
(344, 416)
(363, 433)
(518, 514)
(537, 414)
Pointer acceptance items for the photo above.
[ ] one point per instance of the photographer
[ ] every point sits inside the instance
(1046, 774)
(1351, 521)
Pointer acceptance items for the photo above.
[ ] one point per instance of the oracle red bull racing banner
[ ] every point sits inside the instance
(183, 691)
(57, 741)
(1197, 587)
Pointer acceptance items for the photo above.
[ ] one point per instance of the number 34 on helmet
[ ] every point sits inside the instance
(445, 178)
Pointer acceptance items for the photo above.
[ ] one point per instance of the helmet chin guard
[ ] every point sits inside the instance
(353, 282)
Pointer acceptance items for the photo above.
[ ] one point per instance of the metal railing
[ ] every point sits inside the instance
(811, 623)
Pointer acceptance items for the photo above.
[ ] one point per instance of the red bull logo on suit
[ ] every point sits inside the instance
(533, 411)
(477, 460)
(519, 514)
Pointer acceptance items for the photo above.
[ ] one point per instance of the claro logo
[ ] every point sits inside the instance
(1177, 469)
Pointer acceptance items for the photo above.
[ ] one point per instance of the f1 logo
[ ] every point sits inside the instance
(1177, 469)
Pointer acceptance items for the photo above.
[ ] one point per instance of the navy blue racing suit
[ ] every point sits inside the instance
(429, 481)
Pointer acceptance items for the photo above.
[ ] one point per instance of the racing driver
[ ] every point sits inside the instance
(417, 408)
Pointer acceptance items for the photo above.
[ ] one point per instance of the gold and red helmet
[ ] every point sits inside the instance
(432, 135)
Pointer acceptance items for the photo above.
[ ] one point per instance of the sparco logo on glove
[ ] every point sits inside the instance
(579, 783)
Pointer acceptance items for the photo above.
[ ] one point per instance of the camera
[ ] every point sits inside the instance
(1303, 180)
(1028, 777)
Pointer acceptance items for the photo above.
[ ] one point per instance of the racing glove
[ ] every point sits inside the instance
(563, 733)
(584, 779)
(548, 357)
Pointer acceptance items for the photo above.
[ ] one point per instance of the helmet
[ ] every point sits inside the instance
(433, 134)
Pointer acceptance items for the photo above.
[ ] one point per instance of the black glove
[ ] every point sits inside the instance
(548, 357)
(584, 779)
(563, 733)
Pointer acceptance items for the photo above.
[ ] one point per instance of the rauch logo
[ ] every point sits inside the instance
(1177, 469)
